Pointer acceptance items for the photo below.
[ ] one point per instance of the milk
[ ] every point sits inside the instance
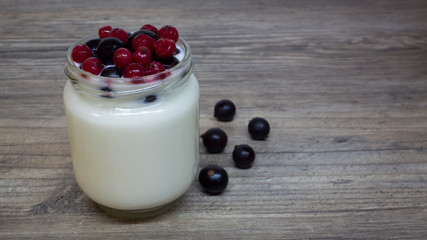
(133, 155)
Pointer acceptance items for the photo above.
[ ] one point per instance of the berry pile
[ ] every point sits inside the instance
(213, 178)
(118, 53)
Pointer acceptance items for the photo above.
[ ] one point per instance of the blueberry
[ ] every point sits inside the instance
(169, 62)
(259, 128)
(213, 179)
(106, 89)
(113, 72)
(243, 156)
(214, 140)
(106, 49)
(150, 98)
(108, 92)
(93, 44)
(149, 33)
(224, 110)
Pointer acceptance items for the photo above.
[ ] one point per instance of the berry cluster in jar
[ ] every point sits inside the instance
(117, 53)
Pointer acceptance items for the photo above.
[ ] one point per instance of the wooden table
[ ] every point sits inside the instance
(342, 83)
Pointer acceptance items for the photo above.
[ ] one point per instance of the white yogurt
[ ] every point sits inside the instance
(131, 155)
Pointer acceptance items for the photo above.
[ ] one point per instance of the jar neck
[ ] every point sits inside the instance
(112, 88)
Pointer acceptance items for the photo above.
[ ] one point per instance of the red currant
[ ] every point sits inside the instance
(154, 67)
(142, 55)
(122, 57)
(149, 27)
(105, 31)
(168, 31)
(121, 34)
(143, 40)
(80, 53)
(164, 48)
(92, 65)
(134, 70)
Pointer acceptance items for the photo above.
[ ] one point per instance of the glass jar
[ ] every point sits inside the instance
(134, 142)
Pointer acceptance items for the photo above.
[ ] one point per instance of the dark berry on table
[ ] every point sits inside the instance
(153, 68)
(259, 128)
(214, 140)
(142, 55)
(92, 65)
(113, 72)
(169, 62)
(164, 48)
(224, 110)
(143, 40)
(106, 49)
(93, 44)
(120, 34)
(150, 98)
(149, 27)
(134, 70)
(122, 57)
(80, 53)
(105, 31)
(213, 179)
(243, 156)
(169, 32)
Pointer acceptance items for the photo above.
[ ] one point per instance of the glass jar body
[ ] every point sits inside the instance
(138, 153)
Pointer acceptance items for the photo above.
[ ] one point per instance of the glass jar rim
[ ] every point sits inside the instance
(88, 81)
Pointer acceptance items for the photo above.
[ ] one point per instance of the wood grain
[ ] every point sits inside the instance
(342, 83)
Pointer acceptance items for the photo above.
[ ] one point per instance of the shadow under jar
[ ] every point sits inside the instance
(134, 142)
